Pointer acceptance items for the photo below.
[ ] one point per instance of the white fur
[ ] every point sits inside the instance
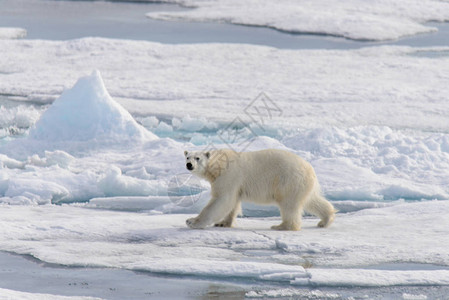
(264, 177)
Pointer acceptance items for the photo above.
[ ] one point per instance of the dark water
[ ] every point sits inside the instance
(63, 20)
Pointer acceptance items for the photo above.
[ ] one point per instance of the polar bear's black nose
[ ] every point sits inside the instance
(189, 166)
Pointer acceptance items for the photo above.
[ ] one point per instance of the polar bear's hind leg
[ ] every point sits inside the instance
(291, 212)
(321, 208)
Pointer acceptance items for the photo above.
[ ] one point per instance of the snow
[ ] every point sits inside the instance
(346, 153)
(17, 119)
(87, 145)
(415, 297)
(83, 119)
(6, 294)
(314, 89)
(371, 121)
(86, 112)
(12, 33)
(291, 293)
(92, 168)
(374, 278)
(338, 256)
(359, 20)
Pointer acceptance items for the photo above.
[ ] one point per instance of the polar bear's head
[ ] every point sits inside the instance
(196, 162)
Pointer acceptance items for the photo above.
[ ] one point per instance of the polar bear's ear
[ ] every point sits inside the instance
(207, 154)
(185, 153)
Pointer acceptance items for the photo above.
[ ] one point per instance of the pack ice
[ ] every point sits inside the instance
(360, 20)
(87, 148)
(86, 122)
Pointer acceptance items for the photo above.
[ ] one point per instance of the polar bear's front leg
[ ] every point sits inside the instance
(195, 223)
(230, 218)
(216, 210)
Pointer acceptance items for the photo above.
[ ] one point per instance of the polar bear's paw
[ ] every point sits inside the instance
(225, 223)
(194, 223)
(326, 222)
(322, 224)
(284, 226)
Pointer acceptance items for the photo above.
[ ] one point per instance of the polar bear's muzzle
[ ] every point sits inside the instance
(189, 166)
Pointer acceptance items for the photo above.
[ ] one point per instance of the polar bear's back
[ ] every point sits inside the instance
(274, 161)
(271, 174)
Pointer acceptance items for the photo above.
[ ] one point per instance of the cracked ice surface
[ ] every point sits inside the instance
(77, 236)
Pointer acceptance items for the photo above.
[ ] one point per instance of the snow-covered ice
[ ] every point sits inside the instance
(92, 168)
(371, 133)
(6, 294)
(136, 176)
(381, 86)
(12, 33)
(360, 20)
(87, 112)
(75, 236)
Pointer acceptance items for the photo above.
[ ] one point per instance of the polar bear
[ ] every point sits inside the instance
(265, 177)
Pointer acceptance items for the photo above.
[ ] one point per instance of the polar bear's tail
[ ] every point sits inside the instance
(320, 207)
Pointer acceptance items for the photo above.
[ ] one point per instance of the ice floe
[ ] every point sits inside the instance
(381, 86)
(11, 294)
(345, 254)
(373, 122)
(86, 146)
(360, 20)
(12, 33)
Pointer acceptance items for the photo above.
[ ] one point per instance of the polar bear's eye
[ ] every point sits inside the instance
(197, 158)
